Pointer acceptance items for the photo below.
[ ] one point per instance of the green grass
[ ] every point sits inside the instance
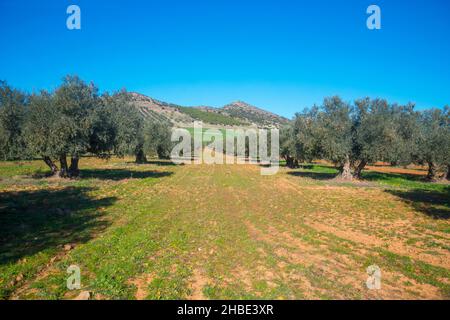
(15, 168)
(404, 181)
(414, 269)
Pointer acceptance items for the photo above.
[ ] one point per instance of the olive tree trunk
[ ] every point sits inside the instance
(292, 162)
(289, 162)
(73, 170)
(140, 156)
(359, 169)
(432, 172)
(51, 165)
(64, 172)
(345, 172)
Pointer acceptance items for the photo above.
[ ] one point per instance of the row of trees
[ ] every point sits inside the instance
(73, 121)
(370, 130)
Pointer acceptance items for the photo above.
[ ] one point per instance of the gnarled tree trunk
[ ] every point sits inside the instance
(73, 170)
(447, 176)
(432, 172)
(140, 156)
(64, 172)
(345, 172)
(359, 168)
(289, 162)
(51, 165)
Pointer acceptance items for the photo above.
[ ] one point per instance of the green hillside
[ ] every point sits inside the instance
(211, 117)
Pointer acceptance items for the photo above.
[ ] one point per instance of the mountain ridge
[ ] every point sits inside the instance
(235, 114)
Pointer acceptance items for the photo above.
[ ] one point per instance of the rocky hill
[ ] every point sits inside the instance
(242, 110)
(236, 114)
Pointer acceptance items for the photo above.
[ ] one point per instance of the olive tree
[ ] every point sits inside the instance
(334, 134)
(75, 102)
(352, 136)
(305, 131)
(40, 134)
(12, 119)
(435, 142)
(375, 133)
(157, 139)
(74, 121)
(123, 126)
(287, 145)
(405, 149)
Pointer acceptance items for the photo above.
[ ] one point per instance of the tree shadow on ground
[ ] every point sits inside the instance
(370, 176)
(121, 174)
(385, 177)
(163, 163)
(32, 221)
(435, 204)
(313, 175)
(306, 166)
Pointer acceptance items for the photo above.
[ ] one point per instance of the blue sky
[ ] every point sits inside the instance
(280, 55)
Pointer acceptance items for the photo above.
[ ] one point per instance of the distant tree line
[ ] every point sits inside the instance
(75, 120)
(352, 136)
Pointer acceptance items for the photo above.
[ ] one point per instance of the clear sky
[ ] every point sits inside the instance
(280, 55)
